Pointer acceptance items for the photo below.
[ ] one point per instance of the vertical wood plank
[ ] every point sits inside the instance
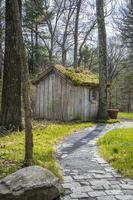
(41, 99)
(64, 100)
(50, 97)
(59, 99)
(45, 99)
(53, 97)
(37, 102)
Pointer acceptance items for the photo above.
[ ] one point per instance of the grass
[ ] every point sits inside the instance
(46, 137)
(109, 121)
(124, 115)
(117, 148)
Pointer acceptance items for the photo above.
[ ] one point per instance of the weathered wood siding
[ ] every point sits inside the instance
(58, 99)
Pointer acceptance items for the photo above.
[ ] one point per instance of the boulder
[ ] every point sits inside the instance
(30, 183)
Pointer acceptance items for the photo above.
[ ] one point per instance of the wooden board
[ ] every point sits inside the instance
(58, 99)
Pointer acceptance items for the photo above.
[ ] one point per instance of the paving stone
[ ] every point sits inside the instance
(109, 169)
(71, 185)
(67, 198)
(115, 182)
(106, 198)
(130, 182)
(81, 177)
(99, 176)
(84, 183)
(114, 192)
(94, 187)
(116, 187)
(128, 192)
(68, 179)
(82, 189)
(67, 191)
(87, 176)
(78, 195)
(96, 172)
(124, 197)
(104, 184)
(97, 194)
(128, 186)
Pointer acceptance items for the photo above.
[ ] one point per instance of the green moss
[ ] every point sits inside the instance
(79, 76)
(117, 148)
(46, 137)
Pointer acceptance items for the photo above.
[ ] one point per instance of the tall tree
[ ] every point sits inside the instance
(25, 85)
(11, 92)
(1, 31)
(102, 111)
(76, 32)
(20, 7)
(15, 71)
(63, 34)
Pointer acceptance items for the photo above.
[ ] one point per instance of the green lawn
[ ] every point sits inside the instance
(124, 115)
(46, 137)
(117, 148)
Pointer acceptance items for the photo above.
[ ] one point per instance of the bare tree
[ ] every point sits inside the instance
(63, 36)
(57, 11)
(84, 41)
(116, 58)
(116, 55)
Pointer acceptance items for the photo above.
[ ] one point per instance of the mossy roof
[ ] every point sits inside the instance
(79, 77)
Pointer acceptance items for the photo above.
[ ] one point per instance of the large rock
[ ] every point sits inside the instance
(30, 183)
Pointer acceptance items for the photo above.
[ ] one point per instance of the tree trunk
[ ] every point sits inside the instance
(76, 34)
(31, 67)
(25, 89)
(50, 55)
(129, 101)
(110, 96)
(64, 55)
(20, 56)
(1, 53)
(20, 8)
(11, 93)
(1, 59)
(102, 111)
(36, 44)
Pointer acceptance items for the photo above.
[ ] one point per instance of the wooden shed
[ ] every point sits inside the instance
(66, 94)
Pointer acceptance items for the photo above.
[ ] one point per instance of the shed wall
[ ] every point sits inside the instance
(57, 99)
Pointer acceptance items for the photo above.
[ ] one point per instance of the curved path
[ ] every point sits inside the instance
(86, 175)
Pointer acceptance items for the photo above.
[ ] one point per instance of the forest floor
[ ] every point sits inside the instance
(87, 176)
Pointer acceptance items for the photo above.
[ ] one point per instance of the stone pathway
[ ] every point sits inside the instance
(86, 175)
